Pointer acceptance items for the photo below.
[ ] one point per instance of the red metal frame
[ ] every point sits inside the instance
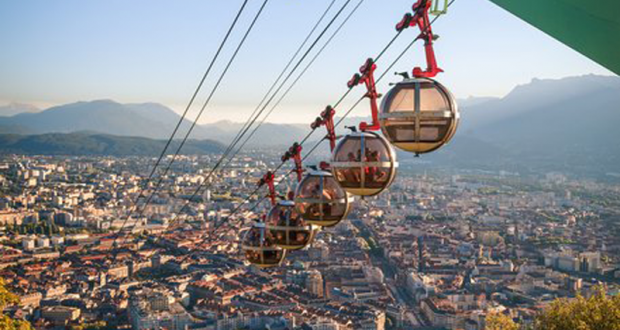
(367, 76)
(294, 152)
(421, 20)
(268, 179)
(327, 119)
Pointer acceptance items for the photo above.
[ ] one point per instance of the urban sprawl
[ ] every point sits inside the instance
(438, 249)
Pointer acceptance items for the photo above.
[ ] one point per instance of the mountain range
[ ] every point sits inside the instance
(568, 124)
(547, 124)
(12, 109)
(90, 144)
(150, 120)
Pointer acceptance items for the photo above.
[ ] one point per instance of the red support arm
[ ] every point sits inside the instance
(327, 119)
(367, 76)
(268, 179)
(299, 169)
(421, 20)
(294, 152)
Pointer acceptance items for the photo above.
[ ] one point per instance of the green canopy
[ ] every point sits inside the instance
(589, 27)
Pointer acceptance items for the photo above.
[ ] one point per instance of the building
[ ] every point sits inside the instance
(55, 291)
(31, 299)
(150, 309)
(12, 217)
(590, 262)
(60, 314)
(43, 242)
(29, 243)
(314, 283)
(119, 271)
(458, 311)
(587, 262)
(322, 324)
(58, 240)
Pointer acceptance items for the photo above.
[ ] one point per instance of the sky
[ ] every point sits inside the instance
(63, 51)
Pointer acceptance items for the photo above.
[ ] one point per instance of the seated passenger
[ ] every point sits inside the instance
(279, 236)
(283, 217)
(353, 174)
(301, 237)
(317, 194)
(378, 174)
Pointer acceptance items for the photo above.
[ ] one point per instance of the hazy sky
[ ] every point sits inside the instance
(61, 51)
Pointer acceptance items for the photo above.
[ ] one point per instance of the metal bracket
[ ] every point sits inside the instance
(327, 119)
(367, 77)
(294, 152)
(268, 179)
(420, 19)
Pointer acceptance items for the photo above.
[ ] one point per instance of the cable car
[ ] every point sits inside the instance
(260, 249)
(320, 200)
(419, 115)
(364, 163)
(288, 229)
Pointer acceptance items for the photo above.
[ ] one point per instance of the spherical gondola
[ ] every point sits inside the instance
(364, 163)
(320, 200)
(419, 115)
(260, 249)
(288, 229)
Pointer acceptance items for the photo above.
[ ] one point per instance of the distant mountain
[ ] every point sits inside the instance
(12, 109)
(550, 124)
(226, 126)
(150, 120)
(268, 134)
(97, 144)
(538, 95)
(14, 129)
(474, 101)
(104, 116)
(566, 124)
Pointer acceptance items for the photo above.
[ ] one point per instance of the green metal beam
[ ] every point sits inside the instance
(590, 27)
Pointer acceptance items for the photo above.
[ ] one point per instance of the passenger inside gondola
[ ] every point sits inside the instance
(296, 234)
(299, 236)
(283, 217)
(280, 235)
(334, 192)
(253, 240)
(315, 210)
(271, 255)
(376, 174)
(319, 209)
(354, 174)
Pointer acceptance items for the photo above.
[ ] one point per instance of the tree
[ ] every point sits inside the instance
(9, 228)
(8, 298)
(597, 312)
(499, 321)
